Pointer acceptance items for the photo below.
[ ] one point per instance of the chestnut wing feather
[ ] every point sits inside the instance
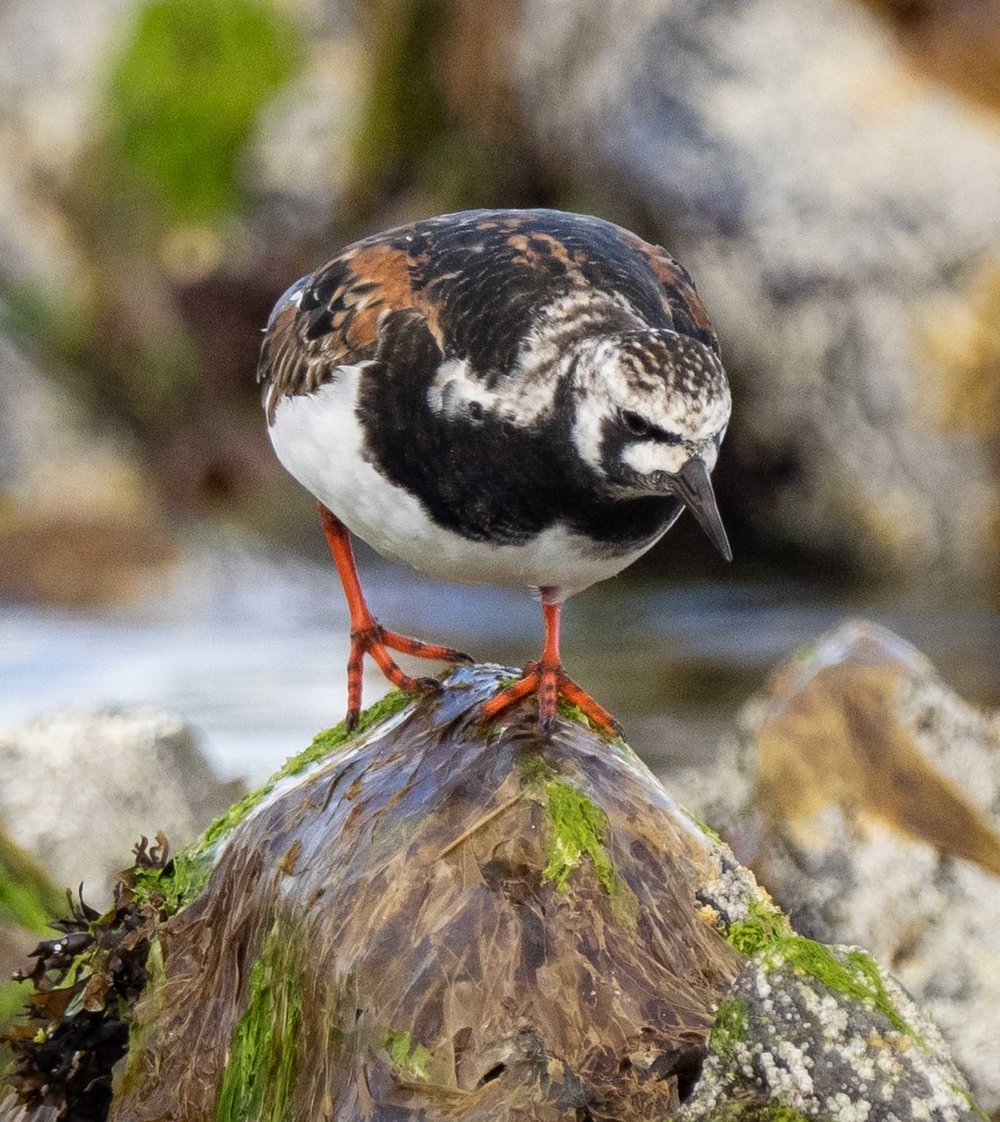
(332, 318)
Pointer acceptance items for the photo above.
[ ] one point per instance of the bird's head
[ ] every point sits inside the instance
(650, 410)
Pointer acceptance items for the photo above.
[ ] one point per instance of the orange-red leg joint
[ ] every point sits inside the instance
(368, 636)
(549, 681)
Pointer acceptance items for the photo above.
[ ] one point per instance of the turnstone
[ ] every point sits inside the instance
(512, 397)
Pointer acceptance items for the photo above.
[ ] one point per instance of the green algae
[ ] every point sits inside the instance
(578, 828)
(732, 1020)
(764, 926)
(767, 931)
(411, 1059)
(171, 888)
(149, 1006)
(858, 978)
(260, 1072)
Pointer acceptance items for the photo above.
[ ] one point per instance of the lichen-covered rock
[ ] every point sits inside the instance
(436, 921)
(866, 795)
(837, 212)
(79, 786)
(785, 1035)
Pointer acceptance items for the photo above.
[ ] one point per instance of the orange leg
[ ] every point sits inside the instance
(368, 636)
(547, 678)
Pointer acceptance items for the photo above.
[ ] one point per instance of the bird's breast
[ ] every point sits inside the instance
(468, 517)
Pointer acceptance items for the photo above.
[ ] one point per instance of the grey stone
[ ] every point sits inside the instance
(866, 795)
(839, 216)
(80, 787)
(787, 1038)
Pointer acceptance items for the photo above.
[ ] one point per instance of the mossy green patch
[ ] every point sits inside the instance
(731, 1022)
(578, 828)
(27, 896)
(767, 930)
(411, 1059)
(764, 926)
(858, 977)
(186, 91)
(259, 1078)
(173, 887)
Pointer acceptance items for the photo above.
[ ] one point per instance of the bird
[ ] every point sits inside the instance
(522, 398)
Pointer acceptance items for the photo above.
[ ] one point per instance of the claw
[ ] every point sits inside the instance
(549, 683)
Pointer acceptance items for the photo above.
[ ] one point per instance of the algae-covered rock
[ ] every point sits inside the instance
(866, 795)
(432, 920)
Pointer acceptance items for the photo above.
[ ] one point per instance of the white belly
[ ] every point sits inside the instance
(319, 441)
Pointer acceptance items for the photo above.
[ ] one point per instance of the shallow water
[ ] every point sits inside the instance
(251, 650)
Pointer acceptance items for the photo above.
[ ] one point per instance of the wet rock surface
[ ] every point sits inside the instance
(866, 795)
(430, 920)
(781, 150)
(80, 787)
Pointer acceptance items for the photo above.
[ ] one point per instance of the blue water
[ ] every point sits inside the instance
(251, 650)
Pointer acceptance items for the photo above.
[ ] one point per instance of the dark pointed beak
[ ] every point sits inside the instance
(693, 487)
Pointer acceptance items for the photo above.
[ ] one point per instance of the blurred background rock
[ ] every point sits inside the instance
(829, 171)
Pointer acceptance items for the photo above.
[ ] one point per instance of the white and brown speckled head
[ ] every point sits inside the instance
(647, 402)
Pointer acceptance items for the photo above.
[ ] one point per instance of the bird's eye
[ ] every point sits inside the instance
(636, 424)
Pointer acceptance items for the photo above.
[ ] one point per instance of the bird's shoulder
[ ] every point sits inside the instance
(332, 317)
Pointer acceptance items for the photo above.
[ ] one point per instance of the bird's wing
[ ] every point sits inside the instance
(334, 318)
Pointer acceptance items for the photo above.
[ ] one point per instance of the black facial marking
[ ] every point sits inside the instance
(491, 480)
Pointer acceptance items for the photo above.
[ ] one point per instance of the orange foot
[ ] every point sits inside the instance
(373, 639)
(550, 682)
(547, 678)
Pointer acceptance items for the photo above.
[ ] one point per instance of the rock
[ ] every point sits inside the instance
(839, 216)
(81, 786)
(782, 1035)
(866, 795)
(432, 920)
